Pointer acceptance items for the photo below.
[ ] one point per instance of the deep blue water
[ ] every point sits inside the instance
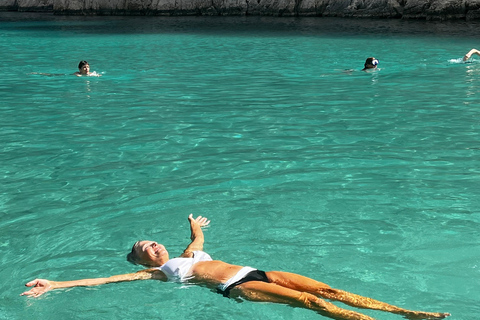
(366, 181)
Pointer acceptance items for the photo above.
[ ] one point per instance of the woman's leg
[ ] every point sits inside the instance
(269, 292)
(301, 283)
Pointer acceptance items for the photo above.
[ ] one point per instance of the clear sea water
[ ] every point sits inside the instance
(366, 181)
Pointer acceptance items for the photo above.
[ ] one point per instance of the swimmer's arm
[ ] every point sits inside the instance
(469, 54)
(196, 235)
(40, 286)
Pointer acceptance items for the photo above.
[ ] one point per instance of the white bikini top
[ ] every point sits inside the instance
(178, 269)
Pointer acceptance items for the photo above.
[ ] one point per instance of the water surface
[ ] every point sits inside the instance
(365, 181)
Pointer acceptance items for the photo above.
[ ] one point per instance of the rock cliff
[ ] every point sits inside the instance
(406, 9)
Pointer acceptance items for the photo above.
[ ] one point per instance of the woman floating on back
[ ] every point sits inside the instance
(196, 266)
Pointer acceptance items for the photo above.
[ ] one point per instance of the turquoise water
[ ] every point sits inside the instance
(366, 181)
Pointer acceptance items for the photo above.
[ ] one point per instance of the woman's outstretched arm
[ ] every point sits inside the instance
(196, 235)
(40, 286)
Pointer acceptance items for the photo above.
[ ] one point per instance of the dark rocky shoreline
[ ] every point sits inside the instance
(393, 9)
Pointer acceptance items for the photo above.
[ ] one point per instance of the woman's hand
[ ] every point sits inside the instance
(40, 286)
(196, 235)
(201, 221)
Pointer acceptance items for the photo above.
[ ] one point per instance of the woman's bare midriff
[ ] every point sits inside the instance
(213, 273)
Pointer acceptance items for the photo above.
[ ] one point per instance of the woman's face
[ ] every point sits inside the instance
(151, 253)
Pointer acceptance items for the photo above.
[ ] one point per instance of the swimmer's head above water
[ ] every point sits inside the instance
(84, 70)
(148, 253)
(83, 67)
(370, 63)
